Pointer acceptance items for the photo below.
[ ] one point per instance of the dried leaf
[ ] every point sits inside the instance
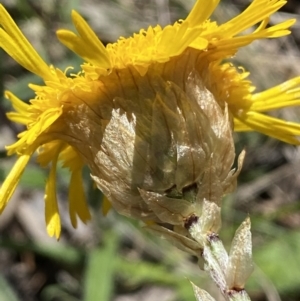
(210, 218)
(201, 295)
(219, 252)
(240, 264)
(168, 210)
(213, 267)
(183, 243)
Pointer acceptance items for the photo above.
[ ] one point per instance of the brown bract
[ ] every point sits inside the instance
(157, 145)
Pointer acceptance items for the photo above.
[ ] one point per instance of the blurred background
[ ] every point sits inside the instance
(115, 258)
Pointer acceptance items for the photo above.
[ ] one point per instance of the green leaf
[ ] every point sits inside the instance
(66, 255)
(100, 270)
(6, 292)
(56, 292)
(279, 260)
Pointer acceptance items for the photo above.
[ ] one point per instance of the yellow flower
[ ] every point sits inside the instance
(67, 119)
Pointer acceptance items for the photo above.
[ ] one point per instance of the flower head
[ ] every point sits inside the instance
(148, 114)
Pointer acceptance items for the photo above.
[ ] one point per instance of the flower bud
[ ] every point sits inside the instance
(158, 148)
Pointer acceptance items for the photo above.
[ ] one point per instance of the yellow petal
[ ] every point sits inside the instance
(280, 129)
(175, 40)
(256, 12)
(16, 45)
(201, 11)
(18, 118)
(19, 105)
(51, 208)
(22, 115)
(46, 119)
(77, 200)
(86, 44)
(47, 151)
(106, 205)
(241, 127)
(284, 95)
(12, 180)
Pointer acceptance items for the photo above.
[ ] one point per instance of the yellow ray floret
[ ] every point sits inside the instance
(95, 53)
(281, 96)
(196, 44)
(14, 43)
(51, 207)
(12, 180)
